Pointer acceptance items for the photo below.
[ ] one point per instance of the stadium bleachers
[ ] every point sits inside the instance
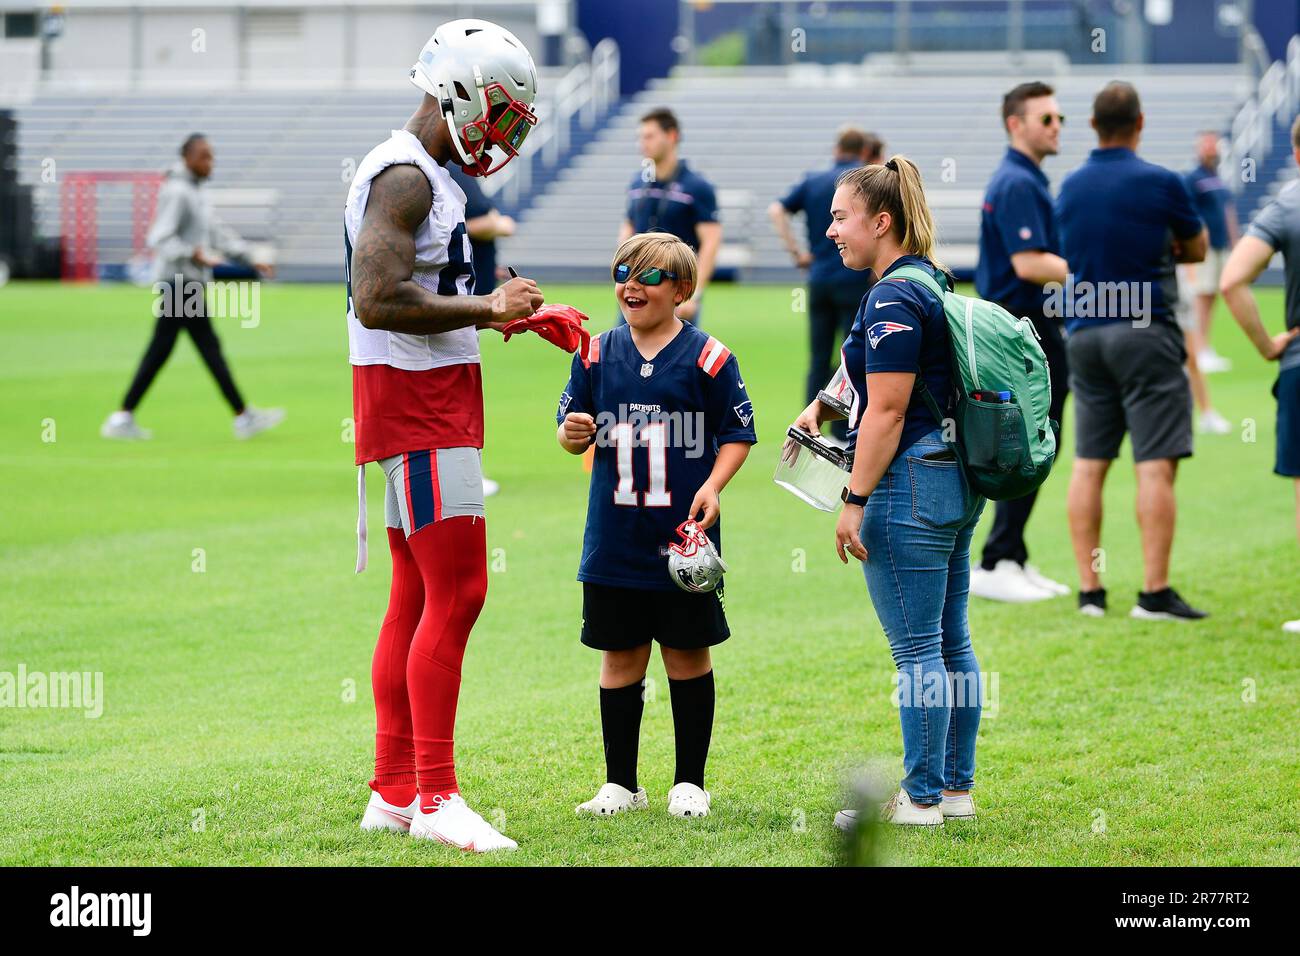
(302, 148)
(752, 131)
(755, 132)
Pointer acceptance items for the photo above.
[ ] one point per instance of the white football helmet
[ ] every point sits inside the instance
(485, 83)
(693, 562)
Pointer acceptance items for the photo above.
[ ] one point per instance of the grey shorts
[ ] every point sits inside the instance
(1130, 379)
(422, 487)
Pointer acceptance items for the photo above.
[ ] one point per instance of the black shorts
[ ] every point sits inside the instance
(1130, 379)
(619, 619)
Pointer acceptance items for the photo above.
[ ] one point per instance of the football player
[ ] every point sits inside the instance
(664, 405)
(413, 323)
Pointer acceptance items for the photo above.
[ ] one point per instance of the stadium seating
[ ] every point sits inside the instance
(752, 131)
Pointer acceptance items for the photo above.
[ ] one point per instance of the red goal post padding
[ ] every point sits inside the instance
(79, 213)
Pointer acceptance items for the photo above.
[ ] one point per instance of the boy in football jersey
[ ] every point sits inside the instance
(665, 407)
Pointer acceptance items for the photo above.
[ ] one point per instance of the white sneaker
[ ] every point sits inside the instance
(901, 810)
(688, 800)
(1006, 582)
(382, 815)
(957, 808)
(1039, 580)
(1292, 627)
(490, 487)
(122, 426)
(1212, 423)
(1211, 361)
(452, 822)
(611, 799)
(253, 420)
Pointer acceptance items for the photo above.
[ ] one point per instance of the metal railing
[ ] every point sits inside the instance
(588, 91)
(1278, 93)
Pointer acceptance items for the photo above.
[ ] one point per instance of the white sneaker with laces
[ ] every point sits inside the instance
(253, 420)
(452, 822)
(1006, 582)
(1292, 627)
(957, 808)
(1209, 361)
(382, 815)
(613, 798)
(1212, 423)
(121, 426)
(1039, 580)
(901, 810)
(688, 800)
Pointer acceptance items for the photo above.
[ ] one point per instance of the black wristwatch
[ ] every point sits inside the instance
(851, 499)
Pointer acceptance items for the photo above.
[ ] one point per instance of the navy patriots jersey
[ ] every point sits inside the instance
(900, 327)
(659, 425)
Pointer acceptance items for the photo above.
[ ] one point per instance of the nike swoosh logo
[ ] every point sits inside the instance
(881, 305)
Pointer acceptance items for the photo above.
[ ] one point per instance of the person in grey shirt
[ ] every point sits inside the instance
(1275, 229)
(188, 240)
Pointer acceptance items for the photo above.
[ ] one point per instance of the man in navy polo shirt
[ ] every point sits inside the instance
(834, 291)
(667, 196)
(1123, 224)
(1019, 254)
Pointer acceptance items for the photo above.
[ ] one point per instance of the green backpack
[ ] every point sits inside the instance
(1006, 444)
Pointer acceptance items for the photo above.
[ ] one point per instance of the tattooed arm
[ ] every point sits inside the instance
(385, 296)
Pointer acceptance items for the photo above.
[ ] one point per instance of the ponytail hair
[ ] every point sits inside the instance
(896, 188)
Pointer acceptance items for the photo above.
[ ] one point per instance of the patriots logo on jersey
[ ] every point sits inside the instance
(565, 399)
(882, 329)
(745, 412)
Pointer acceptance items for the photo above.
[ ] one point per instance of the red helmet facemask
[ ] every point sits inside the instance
(505, 126)
(693, 540)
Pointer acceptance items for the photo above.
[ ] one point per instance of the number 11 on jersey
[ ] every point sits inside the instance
(655, 439)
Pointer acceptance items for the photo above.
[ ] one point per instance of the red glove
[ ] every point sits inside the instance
(561, 325)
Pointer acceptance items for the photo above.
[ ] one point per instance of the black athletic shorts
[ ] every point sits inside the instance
(1128, 379)
(619, 619)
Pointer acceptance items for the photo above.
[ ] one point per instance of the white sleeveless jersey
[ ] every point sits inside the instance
(443, 262)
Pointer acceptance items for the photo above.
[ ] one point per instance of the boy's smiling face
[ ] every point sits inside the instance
(647, 306)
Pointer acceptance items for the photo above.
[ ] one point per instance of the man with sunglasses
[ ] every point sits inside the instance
(413, 323)
(1019, 254)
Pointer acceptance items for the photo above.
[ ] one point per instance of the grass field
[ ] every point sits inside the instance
(237, 724)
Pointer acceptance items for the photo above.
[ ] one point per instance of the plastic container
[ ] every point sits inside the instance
(812, 470)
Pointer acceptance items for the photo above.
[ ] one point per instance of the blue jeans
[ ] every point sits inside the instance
(917, 527)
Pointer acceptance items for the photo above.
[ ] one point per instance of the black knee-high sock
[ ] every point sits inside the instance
(692, 726)
(620, 724)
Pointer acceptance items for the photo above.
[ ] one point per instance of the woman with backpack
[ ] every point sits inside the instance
(909, 512)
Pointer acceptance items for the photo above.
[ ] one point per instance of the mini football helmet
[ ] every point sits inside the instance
(693, 562)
